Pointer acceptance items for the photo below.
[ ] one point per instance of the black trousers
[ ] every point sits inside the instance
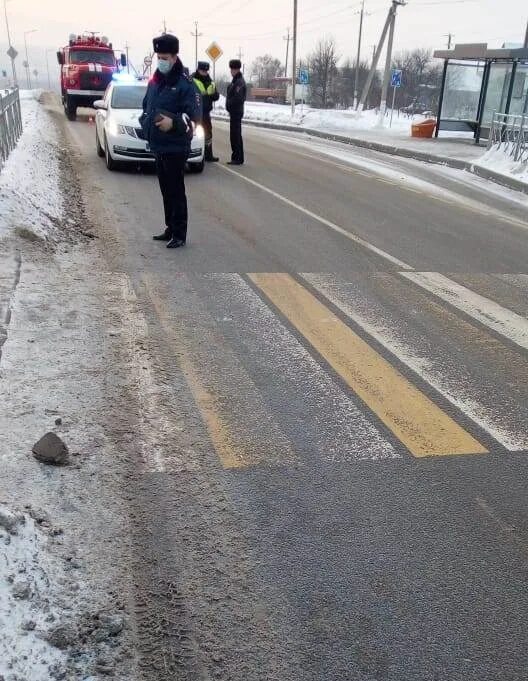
(237, 144)
(208, 130)
(171, 176)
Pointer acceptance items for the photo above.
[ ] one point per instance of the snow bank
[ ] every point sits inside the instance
(331, 120)
(501, 162)
(30, 198)
(25, 611)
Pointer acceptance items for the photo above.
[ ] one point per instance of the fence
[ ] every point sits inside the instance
(10, 122)
(509, 134)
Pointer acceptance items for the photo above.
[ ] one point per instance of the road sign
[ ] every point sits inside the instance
(148, 60)
(12, 53)
(396, 78)
(304, 77)
(214, 52)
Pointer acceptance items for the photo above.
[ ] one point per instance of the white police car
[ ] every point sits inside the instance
(118, 134)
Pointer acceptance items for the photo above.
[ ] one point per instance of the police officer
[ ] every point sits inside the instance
(235, 100)
(207, 89)
(170, 107)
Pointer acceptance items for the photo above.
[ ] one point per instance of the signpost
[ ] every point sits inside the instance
(396, 81)
(214, 52)
(304, 79)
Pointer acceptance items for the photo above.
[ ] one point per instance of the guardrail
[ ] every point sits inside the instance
(509, 134)
(10, 122)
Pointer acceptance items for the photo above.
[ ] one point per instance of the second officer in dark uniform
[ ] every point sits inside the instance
(170, 107)
(235, 101)
(207, 89)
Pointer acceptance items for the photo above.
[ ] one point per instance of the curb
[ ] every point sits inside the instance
(436, 159)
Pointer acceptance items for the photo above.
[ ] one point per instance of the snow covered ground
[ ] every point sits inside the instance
(342, 121)
(30, 196)
(501, 162)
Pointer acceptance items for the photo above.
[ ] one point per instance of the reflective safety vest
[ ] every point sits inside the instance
(205, 90)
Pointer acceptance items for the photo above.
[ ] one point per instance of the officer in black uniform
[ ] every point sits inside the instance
(170, 107)
(207, 89)
(235, 100)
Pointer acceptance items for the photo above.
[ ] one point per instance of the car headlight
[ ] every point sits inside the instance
(115, 129)
(199, 132)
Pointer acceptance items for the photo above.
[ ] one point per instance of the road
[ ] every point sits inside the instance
(334, 411)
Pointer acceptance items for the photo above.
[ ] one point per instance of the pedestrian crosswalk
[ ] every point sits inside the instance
(286, 368)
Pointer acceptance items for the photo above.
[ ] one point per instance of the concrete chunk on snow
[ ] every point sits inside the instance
(51, 449)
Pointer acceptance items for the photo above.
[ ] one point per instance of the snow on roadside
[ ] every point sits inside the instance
(25, 608)
(330, 120)
(501, 162)
(30, 196)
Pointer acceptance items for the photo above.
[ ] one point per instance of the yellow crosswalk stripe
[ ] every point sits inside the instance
(418, 422)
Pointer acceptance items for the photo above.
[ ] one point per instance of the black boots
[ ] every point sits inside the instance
(209, 158)
(175, 243)
(166, 236)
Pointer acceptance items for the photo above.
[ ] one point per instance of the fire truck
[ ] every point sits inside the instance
(87, 63)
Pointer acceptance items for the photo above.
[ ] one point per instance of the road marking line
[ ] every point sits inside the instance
(462, 203)
(336, 228)
(420, 425)
(505, 322)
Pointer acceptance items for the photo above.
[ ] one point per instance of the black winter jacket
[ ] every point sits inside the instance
(171, 95)
(236, 96)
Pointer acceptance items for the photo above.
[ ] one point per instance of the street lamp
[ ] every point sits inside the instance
(11, 48)
(28, 72)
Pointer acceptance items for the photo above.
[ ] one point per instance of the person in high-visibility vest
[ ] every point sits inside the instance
(207, 89)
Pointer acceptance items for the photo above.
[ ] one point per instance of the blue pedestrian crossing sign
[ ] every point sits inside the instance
(304, 77)
(396, 78)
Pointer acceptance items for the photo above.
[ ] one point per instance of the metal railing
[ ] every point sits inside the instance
(509, 134)
(10, 123)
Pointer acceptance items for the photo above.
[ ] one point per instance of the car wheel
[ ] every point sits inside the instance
(100, 150)
(110, 163)
(71, 110)
(196, 167)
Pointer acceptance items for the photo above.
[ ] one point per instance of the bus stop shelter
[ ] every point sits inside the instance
(478, 82)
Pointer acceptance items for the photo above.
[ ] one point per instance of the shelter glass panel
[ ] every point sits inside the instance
(497, 93)
(462, 91)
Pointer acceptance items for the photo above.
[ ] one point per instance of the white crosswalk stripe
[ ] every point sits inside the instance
(501, 320)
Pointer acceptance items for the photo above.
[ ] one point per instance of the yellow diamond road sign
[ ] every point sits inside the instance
(214, 52)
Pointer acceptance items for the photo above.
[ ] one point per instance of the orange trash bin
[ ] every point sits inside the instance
(423, 129)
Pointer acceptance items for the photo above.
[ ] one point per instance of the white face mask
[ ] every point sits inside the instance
(164, 66)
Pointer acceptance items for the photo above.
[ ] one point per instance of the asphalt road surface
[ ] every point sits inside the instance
(336, 483)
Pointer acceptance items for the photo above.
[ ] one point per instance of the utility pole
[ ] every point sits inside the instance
(389, 25)
(196, 35)
(13, 67)
(28, 70)
(127, 47)
(164, 27)
(526, 37)
(449, 37)
(287, 39)
(356, 78)
(48, 68)
(294, 66)
(240, 55)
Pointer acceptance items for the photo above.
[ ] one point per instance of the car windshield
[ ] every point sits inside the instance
(92, 57)
(128, 97)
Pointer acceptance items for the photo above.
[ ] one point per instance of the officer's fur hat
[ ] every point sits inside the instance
(166, 44)
(235, 64)
(203, 66)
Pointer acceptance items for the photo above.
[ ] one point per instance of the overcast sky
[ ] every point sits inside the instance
(258, 26)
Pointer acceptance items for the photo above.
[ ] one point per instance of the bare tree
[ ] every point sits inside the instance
(322, 64)
(421, 78)
(264, 69)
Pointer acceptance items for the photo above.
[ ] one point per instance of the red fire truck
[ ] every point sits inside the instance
(87, 66)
